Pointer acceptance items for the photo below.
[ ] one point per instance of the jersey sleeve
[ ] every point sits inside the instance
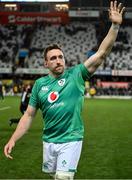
(81, 72)
(85, 73)
(34, 96)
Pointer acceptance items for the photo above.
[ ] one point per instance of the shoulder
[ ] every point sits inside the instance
(42, 79)
(40, 82)
(74, 68)
(80, 70)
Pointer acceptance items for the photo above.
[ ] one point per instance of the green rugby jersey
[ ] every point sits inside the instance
(60, 100)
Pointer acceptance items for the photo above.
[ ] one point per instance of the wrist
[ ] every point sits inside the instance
(115, 26)
(12, 140)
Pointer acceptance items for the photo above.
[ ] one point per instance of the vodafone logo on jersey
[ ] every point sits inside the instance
(53, 96)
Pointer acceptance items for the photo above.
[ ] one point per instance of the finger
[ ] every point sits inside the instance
(111, 5)
(7, 151)
(119, 7)
(122, 10)
(115, 5)
(9, 156)
(109, 12)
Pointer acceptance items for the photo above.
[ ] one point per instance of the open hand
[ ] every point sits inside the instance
(116, 12)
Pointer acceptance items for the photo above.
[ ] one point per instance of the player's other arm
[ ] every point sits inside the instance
(21, 129)
(115, 15)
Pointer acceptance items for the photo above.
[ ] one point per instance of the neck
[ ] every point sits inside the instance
(55, 75)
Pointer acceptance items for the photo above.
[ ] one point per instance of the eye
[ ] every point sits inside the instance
(60, 56)
(53, 58)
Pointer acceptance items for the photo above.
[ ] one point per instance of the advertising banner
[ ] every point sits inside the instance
(30, 18)
(113, 84)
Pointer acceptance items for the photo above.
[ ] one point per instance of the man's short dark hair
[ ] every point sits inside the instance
(50, 47)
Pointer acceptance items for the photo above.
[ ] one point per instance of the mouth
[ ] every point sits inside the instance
(58, 67)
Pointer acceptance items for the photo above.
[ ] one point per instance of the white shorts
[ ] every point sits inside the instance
(61, 157)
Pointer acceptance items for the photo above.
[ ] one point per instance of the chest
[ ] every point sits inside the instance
(62, 90)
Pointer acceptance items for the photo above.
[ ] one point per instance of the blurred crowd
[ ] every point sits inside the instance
(22, 47)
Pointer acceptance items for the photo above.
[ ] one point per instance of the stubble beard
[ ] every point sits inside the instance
(57, 71)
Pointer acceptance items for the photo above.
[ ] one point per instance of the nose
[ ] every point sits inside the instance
(58, 60)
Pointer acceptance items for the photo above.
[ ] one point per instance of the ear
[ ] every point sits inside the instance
(45, 64)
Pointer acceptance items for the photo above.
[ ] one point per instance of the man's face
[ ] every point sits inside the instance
(55, 62)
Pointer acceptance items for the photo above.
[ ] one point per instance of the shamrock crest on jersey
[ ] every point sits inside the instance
(61, 82)
(53, 96)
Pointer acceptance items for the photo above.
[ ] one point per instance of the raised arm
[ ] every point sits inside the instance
(21, 129)
(115, 15)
